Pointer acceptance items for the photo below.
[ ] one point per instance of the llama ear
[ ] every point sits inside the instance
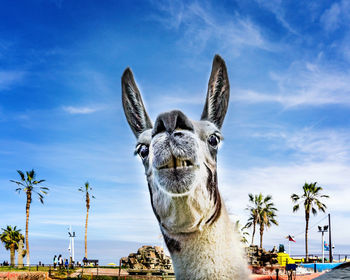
(218, 93)
(134, 108)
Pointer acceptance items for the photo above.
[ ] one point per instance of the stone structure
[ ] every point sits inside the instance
(148, 257)
(20, 254)
(260, 257)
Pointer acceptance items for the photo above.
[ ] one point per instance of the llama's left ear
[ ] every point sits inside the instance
(218, 93)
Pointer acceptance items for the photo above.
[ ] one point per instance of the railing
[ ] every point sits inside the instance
(336, 257)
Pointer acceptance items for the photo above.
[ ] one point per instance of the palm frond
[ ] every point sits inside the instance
(21, 174)
(294, 197)
(295, 208)
(18, 183)
(28, 184)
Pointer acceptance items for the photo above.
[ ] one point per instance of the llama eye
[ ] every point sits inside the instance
(213, 140)
(143, 151)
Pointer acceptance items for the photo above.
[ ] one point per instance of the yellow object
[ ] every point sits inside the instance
(283, 259)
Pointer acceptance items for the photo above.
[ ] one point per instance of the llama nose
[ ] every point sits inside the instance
(170, 121)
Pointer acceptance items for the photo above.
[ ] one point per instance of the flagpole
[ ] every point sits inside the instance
(322, 246)
(288, 247)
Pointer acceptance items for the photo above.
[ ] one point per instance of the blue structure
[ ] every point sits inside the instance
(320, 266)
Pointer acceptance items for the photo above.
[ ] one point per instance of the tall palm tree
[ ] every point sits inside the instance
(311, 201)
(29, 184)
(87, 192)
(11, 238)
(266, 216)
(254, 208)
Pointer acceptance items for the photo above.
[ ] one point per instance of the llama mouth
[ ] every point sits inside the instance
(176, 163)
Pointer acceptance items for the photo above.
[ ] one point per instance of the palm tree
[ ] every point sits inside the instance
(29, 184)
(311, 201)
(266, 216)
(255, 204)
(86, 190)
(11, 237)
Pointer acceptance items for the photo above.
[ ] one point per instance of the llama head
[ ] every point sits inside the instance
(179, 154)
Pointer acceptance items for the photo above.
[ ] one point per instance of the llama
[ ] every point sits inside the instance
(179, 156)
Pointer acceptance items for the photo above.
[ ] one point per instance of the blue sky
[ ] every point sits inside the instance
(60, 110)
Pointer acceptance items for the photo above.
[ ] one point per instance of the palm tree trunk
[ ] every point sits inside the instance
(86, 225)
(29, 199)
(12, 254)
(306, 235)
(86, 221)
(261, 234)
(254, 225)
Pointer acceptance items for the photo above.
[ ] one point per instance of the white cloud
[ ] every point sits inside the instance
(310, 144)
(200, 27)
(314, 155)
(330, 18)
(281, 181)
(275, 7)
(304, 83)
(10, 78)
(81, 110)
(337, 15)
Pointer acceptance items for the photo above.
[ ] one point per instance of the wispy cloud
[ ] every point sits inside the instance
(311, 144)
(304, 83)
(201, 27)
(275, 7)
(81, 110)
(10, 78)
(336, 16)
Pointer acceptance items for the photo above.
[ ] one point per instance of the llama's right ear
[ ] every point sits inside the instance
(216, 104)
(134, 108)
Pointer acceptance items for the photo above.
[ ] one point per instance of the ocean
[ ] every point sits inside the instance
(341, 273)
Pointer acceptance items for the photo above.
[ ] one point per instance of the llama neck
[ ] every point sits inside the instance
(211, 253)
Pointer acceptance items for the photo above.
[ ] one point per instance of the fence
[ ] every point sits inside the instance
(336, 257)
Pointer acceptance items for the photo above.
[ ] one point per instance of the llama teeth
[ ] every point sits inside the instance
(176, 163)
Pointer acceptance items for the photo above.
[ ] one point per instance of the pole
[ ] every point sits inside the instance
(70, 243)
(322, 246)
(330, 239)
(289, 247)
(73, 259)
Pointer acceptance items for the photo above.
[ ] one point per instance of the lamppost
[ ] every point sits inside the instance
(71, 243)
(323, 230)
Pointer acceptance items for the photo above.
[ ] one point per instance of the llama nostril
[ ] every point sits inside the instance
(170, 121)
(178, 134)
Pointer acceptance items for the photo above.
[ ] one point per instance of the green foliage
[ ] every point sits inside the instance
(11, 237)
(262, 212)
(29, 184)
(310, 199)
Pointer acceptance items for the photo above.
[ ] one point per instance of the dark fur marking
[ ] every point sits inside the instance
(212, 186)
(172, 244)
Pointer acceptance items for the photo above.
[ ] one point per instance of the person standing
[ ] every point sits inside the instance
(60, 261)
(54, 262)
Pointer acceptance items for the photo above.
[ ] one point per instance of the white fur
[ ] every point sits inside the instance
(180, 165)
(213, 253)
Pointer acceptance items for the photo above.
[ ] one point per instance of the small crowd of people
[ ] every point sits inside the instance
(60, 262)
(64, 263)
